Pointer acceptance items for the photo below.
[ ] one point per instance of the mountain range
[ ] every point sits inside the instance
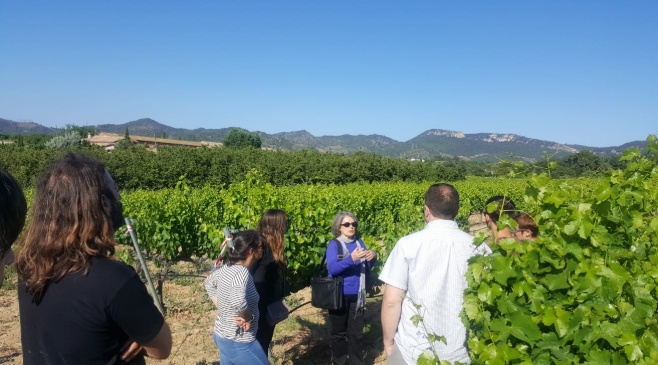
(429, 144)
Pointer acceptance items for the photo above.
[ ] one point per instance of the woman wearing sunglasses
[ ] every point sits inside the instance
(348, 257)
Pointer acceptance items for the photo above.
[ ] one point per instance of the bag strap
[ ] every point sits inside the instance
(324, 258)
(319, 270)
(339, 250)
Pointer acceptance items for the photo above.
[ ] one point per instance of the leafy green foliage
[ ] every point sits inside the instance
(238, 138)
(134, 167)
(185, 221)
(125, 144)
(35, 141)
(68, 139)
(586, 292)
(27, 164)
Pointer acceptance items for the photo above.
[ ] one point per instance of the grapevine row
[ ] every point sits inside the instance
(186, 221)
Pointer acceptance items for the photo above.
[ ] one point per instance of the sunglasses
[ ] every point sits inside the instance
(353, 224)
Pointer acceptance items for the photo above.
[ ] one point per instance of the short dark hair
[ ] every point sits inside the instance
(242, 242)
(442, 201)
(13, 209)
(503, 203)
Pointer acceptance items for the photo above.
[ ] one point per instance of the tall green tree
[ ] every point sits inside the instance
(239, 139)
(584, 163)
(67, 140)
(82, 131)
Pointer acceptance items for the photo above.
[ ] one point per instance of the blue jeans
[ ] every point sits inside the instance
(239, 353)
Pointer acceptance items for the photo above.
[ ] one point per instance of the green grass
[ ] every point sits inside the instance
(289, 325)
(292, 301)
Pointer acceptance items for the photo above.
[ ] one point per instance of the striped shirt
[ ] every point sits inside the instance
(235, 291)
(431, 266)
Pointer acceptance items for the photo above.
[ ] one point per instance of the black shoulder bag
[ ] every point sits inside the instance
(327, 292)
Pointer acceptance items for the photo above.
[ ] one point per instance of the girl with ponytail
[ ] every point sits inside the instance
(231, 288)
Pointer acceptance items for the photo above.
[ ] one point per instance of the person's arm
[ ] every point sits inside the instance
(396, 276)
(334, 266)
(371, 258)
(390, 316)
(211, 287)
(238, 300)
(372, 262)
(369, 255)
(159, 348)
(133, 311)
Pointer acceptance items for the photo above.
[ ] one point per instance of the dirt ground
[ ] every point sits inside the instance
(302, 339)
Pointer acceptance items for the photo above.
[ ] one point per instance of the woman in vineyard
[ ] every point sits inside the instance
(348, 257)
(237, 316)
(269, 272)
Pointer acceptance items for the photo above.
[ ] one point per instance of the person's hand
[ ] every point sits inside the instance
(240, 322)
(130, 349)
(388, 348)
(369, 255)
(358, 254)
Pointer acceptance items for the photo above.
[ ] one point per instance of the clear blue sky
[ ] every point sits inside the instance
(581, 71)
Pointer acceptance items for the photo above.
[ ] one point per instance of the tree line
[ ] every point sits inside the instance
(135, 167)
(580, 164)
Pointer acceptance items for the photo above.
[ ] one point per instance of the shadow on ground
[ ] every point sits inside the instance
(314, 345)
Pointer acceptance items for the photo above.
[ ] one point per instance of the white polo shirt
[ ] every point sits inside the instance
(431, 266)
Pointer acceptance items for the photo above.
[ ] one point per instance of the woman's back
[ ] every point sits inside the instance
(234, 289)
(86, 319)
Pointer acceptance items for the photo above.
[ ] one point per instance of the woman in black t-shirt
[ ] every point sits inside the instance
(78, 305)
(269, 272)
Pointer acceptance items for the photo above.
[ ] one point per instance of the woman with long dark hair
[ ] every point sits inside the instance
(232, 290)
(78, 305)
(270, 271)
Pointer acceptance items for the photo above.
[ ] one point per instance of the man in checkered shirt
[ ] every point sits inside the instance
(428, 268)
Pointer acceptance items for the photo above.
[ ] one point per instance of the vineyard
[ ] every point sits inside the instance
(585, 293)
(183, 222)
